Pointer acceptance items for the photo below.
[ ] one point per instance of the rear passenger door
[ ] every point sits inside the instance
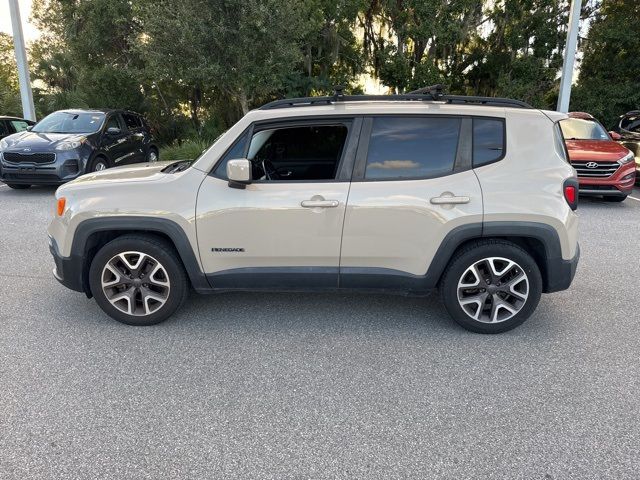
(135, 138)
(413, 183)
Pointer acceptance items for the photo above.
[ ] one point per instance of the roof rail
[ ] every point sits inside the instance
(427, 94)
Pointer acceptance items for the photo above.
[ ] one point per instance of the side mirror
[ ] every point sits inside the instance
(29, 128)
(615, 136)
(239, 172)
(113, 131)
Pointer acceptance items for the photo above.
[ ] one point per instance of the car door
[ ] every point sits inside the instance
(135, 138)
(412, 185)
(284, 229)
(114, 140)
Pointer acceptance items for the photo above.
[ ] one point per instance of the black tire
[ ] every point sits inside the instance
(94, 165)
(18, 186)
(615, 199)
(153, 151)
(159, 250)
(476, 252)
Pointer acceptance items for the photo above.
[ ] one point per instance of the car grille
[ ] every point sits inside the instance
(40, 158)
(595, 169)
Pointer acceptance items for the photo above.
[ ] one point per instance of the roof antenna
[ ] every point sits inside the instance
(338, 93)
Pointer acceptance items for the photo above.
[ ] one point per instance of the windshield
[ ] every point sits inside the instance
(578, 129)
(70, 122)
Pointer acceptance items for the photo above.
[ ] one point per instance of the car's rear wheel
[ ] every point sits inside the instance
(18, 186)
(138, 280)
(615, 199)
(491, 286)
(153, 156)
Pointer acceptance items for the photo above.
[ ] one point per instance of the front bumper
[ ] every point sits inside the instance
(620, 184)
(66, 166)
(69, 271)
(560, 273)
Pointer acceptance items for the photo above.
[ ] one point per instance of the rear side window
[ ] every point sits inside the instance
(131, 121)
(412, 147)
(488, 140)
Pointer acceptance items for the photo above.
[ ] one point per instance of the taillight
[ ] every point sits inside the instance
(570, 190)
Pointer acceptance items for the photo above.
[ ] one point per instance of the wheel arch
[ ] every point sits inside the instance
(92, 234)
(539, 240)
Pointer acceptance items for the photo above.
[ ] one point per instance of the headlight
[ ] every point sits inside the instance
(3, 144)
(626, 159)
(68, 145)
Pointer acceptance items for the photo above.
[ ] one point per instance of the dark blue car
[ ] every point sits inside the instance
(69, 143)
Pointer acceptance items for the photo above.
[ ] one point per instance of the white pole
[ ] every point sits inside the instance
(26, 95)
(569, 57)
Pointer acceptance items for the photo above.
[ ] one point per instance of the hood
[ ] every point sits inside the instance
(142, 172)
(596, 150)
(39, 141)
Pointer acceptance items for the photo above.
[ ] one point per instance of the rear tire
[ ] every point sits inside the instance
(138, 280)
(18, 186)
(615, 199)
(491, 286)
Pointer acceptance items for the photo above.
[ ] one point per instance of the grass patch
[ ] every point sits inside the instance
(188, 150)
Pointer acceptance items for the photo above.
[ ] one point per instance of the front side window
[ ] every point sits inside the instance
(70, 122)
(412, 147)
(631, 123)
(296, 153)
(488, 140)
(3, 128)
(112, 122)
(579, 129)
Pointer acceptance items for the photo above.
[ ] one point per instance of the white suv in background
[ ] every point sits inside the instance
(390, 194)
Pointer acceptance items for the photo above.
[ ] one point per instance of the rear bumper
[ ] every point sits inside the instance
(68, 270)
(560, 273)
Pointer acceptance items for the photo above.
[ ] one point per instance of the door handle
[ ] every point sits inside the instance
(317, 203)
(448, 198)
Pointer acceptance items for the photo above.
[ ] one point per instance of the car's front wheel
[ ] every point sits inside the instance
(138, 279)
(491, 286)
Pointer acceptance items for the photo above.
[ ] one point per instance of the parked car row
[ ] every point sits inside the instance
(69, 143)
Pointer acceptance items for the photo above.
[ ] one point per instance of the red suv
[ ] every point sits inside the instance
(604, 167)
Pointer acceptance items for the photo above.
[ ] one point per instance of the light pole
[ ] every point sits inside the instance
(28, 110)
(569, 57)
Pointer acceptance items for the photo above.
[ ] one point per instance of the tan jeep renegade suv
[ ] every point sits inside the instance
(393, 194)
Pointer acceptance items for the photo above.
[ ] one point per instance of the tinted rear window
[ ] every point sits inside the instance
(488, 140)
(412, 147)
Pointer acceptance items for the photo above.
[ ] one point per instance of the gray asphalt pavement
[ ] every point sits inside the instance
(248, 385)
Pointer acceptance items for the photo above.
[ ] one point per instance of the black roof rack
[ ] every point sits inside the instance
(426, 94)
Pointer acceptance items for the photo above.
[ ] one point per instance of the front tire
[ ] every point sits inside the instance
(491, 286)
(152, 155)
(98, 164)
(138, 280)
(18, 186)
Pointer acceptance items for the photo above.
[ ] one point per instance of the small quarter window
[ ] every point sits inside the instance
(488, 140)
(236, 151)
(412, 147)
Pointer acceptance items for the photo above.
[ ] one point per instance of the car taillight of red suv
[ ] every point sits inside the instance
(604, 167)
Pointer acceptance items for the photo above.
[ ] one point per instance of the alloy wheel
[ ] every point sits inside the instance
(493, 290)
(135, 283)
(100, 166)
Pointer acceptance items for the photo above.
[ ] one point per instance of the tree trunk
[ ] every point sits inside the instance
(244, 103)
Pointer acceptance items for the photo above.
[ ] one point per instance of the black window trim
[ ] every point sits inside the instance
(462, 161)
(347, 158)
(504, 140)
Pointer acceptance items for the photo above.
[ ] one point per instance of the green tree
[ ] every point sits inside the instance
(9, 90)
(609, 81)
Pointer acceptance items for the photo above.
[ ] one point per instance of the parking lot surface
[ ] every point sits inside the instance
(246, 385)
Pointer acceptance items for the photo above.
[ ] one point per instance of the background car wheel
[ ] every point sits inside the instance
(98, 164)
(17, 186)
(615, 199)
(491, 286)
(153, 155)
(138, 280)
